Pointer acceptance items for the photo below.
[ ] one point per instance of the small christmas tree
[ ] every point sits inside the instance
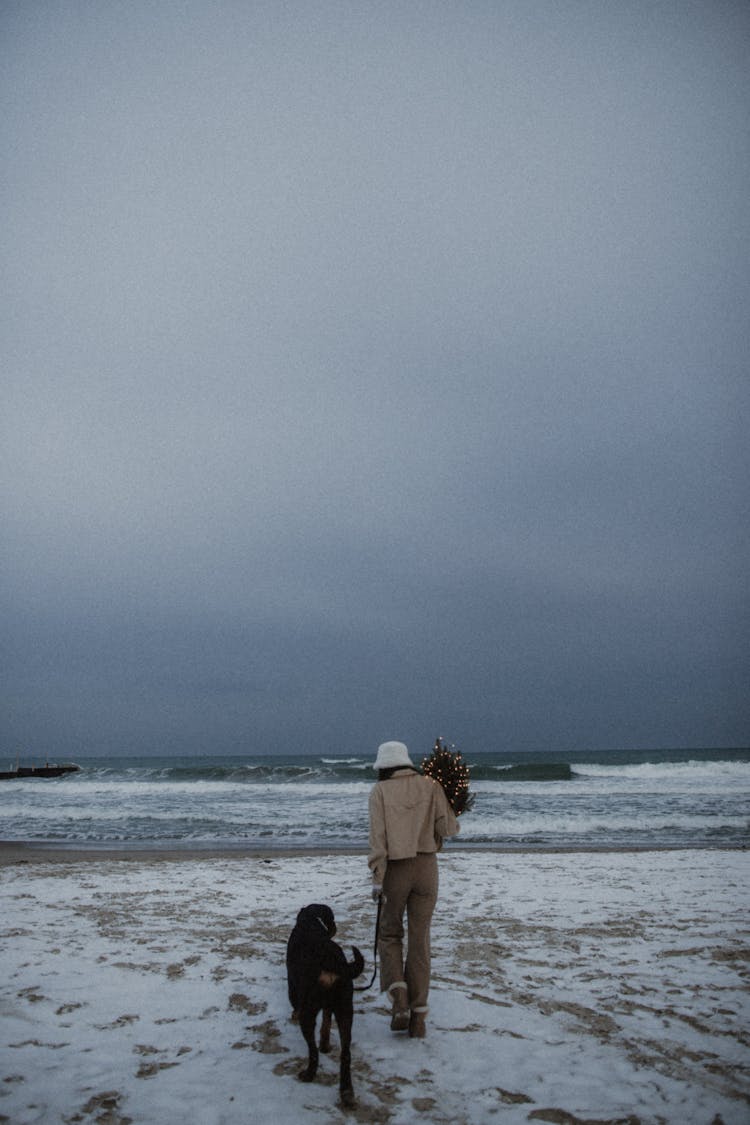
(449, 768)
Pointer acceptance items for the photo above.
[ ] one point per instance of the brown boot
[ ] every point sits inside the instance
(417, 1029)
(400, 1008)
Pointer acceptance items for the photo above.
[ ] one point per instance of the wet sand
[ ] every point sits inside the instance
(13, 852)
(22, 851)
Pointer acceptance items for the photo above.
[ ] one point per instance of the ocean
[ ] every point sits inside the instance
(593, 799)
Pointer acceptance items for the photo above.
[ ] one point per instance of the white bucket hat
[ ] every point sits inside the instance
(391, 755)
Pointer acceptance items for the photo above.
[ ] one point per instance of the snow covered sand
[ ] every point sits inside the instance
(567, 988)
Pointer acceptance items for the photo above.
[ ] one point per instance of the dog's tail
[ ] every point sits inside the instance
(356, 966)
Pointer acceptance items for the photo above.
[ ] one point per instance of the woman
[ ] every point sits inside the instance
(409, 819)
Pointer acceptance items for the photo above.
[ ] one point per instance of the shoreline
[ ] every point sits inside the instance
(23, 851)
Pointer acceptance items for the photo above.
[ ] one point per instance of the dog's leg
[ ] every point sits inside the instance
(325, 1031)
(307, 1027)
(346, 1091)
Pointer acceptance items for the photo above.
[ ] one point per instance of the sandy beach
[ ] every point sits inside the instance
(568, 987)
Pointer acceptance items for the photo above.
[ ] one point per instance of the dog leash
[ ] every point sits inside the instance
(364, 987)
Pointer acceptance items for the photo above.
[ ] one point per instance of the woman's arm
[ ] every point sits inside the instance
(377, 858)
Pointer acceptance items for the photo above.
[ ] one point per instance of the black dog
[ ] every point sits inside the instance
(320, 978)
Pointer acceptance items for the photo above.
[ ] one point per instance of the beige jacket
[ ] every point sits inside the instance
(409, 813)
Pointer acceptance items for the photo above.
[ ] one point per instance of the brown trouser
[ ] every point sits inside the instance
(409, 885)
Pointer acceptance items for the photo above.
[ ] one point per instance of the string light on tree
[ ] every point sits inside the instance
(448, 767)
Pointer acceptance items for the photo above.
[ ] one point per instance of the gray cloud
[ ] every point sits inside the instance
(374, 371)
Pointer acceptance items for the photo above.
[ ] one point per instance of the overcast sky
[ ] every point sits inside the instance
(374, 370)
